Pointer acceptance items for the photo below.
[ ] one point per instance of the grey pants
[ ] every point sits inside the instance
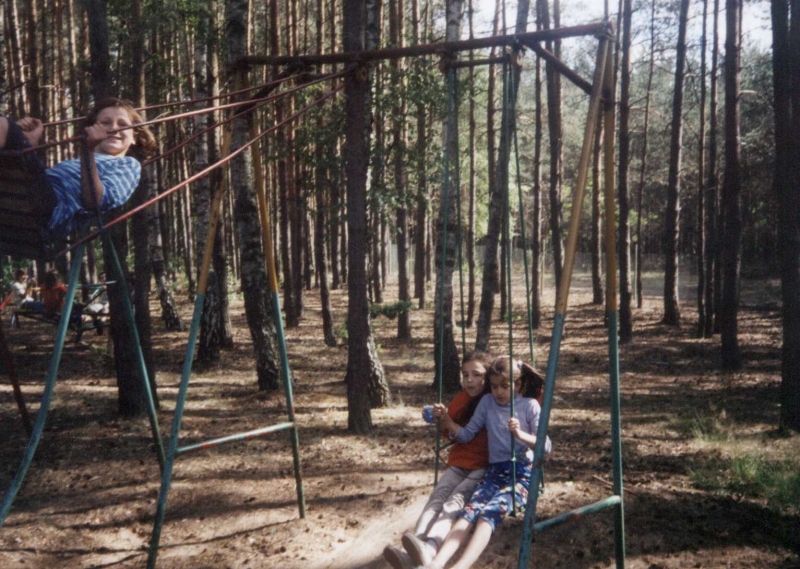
(454, 489)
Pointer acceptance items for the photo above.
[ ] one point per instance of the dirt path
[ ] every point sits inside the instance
(90, 495)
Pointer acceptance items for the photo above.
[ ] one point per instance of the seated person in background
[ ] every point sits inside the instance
(22, 289)
(53, 293)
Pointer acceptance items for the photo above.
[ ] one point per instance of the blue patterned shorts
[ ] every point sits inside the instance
(491, 500)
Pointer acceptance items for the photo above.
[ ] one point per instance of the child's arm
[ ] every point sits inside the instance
(527, 438)
(440, 411)
(90, 179)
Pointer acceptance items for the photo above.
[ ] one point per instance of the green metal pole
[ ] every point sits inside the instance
(166, 472)
(562, 301)
(49, 386)
(122, 281)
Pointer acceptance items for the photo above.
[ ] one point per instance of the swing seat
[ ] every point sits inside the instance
(21, 235)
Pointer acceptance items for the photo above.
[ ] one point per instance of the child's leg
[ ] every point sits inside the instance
(454, 504)
(448, 482)
(478, 542)
(457, 537)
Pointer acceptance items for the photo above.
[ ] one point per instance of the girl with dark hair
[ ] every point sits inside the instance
(466, 465)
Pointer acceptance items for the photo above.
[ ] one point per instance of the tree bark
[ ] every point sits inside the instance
(701, 189)
(731, 189)
(623, 229)
(258, 308)
(536, 232)
(786, 65)
(364, 369)
(446, 353)
(711, 193)
(398, 139)
(672, 315)
(643, 166)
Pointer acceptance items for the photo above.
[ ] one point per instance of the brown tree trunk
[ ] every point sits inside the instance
(731, 188)
(672, 315)
(643, 166)
(712, 193)
(362, 358)
(471, 182)
(701, 189)
(536, 232)
(490, 279)
(623, 230)
(596, 243)
(786, 82)
(398, 139)
(259, 312)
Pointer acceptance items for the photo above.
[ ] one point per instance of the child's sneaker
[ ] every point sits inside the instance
(420, 552)
(397, 558)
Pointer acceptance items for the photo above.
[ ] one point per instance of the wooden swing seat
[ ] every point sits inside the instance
(21, 235)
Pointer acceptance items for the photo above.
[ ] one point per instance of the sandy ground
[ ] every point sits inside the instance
(90, 495)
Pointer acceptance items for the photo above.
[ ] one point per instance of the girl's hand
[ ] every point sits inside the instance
(513, 426)
(95, 134)
(32, 128)
(439, 410)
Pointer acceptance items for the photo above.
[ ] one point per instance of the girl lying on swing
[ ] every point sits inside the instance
(62, 196)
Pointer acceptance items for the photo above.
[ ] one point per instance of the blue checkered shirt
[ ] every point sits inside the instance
(119, 176)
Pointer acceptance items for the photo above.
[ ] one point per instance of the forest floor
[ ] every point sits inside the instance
(90, 494)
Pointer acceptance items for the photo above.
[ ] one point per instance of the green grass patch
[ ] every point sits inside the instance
(754, 477)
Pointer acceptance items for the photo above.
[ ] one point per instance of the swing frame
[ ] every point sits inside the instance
(601, 104)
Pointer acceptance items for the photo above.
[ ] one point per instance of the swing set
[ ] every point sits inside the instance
(601, 103)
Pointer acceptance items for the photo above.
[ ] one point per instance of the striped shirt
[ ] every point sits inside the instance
(119, 176)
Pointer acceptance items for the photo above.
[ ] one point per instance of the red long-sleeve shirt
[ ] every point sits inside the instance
(474, 454)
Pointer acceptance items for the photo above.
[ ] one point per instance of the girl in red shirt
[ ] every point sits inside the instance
(466, 465)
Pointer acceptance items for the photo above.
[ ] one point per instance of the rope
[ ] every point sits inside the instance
(187, 114)
(510, 304)
(258, 103)
(513, 109)
(186, 102)
(205, 171)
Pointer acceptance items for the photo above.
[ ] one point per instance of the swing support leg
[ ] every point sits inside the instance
(49, 386)
(8, 364)
(602, 78)
(612, 310)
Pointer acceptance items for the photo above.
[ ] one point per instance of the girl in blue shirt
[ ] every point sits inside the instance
(492, 499)
(62, 196)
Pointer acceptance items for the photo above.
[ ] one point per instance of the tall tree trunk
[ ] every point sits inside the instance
(100, 71)
(701, 187)
(731, 188)
(421, 213)
(536, 233)
(258, 308)
(624, 233)
(364, 369)
(643, 165)
(596, 242)
(398, 140)
(130, 390)
(471, 182)
(320, 183)
(553, 80)
(786, 82)
(672, 314)
(490, 279)
(711, 193)
(446, 353)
